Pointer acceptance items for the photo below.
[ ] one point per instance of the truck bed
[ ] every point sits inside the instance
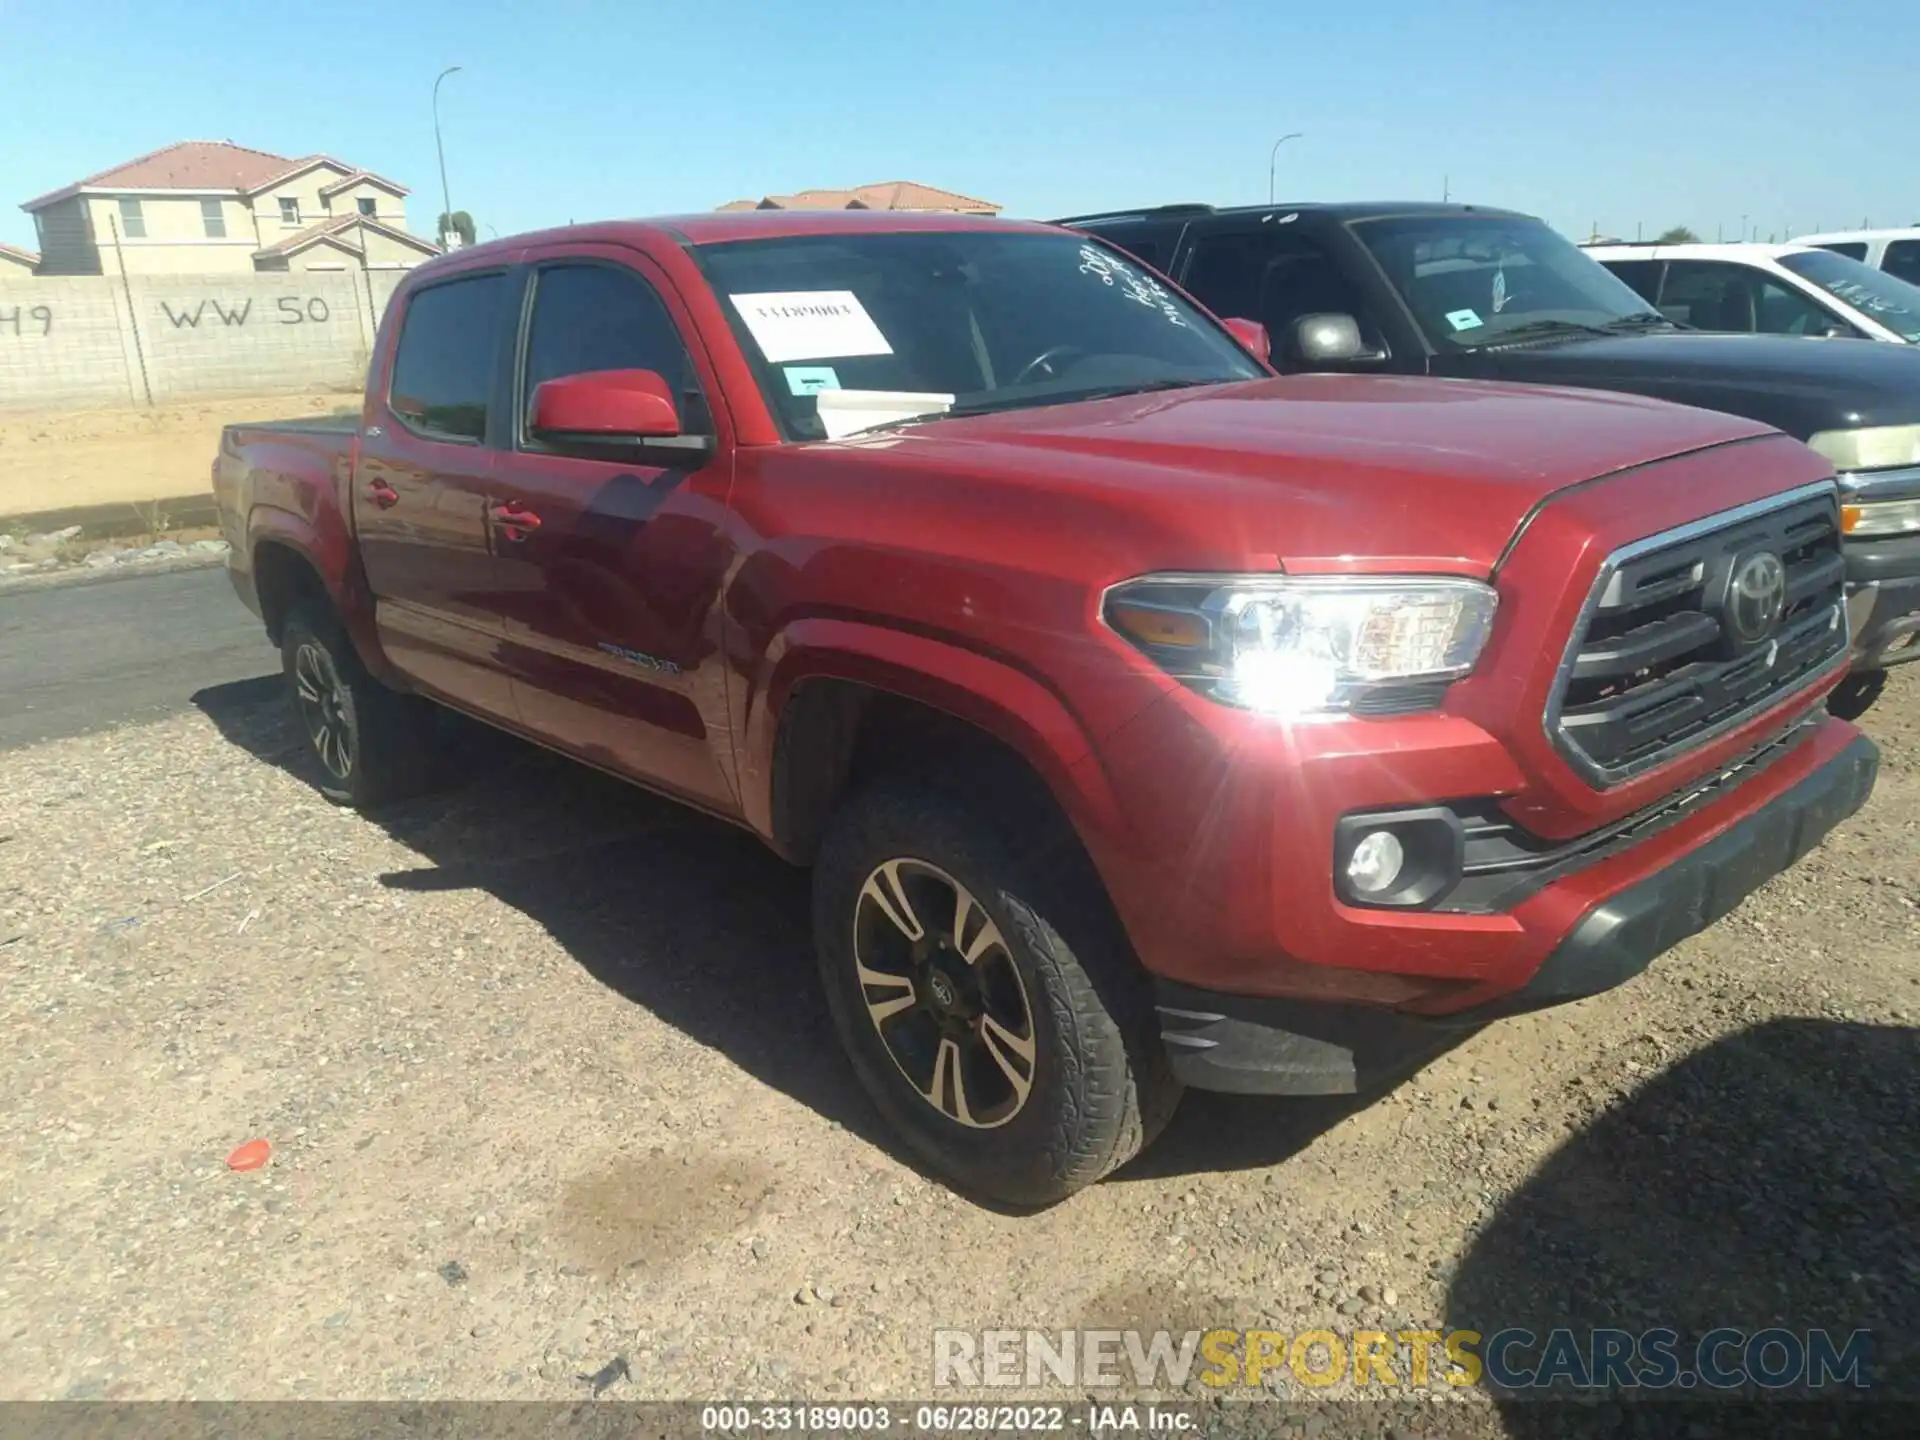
(304, 425)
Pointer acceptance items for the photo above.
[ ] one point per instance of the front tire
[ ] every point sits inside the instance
(371, 744)
(986, 995)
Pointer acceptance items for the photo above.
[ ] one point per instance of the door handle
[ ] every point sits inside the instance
(516, 522)
(382, 494)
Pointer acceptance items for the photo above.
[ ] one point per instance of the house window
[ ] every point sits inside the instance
(214, 220)
(133, 224)
(368, 205)
(289, 210)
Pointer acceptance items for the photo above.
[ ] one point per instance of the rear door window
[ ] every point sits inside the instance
(1902, 260)
(1642, 275)
(1150, 243)
(449, 345)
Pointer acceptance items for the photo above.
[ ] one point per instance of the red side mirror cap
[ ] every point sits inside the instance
(1253, 335)
(606, 405)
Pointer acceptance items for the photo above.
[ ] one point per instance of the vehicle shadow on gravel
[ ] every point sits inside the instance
(692, 919)
(1769, 1180)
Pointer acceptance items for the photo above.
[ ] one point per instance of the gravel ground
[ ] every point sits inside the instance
(548, 1083)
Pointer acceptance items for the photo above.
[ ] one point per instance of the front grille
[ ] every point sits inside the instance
(1502, 863)
(1670, 650)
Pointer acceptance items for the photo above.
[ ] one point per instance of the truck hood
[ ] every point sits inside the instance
(1319, 466)
(1796, 384)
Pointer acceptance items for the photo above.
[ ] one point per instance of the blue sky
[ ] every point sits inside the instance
(1619, 114)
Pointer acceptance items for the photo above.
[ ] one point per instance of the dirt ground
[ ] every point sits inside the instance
(548, 1082)
(60, 459)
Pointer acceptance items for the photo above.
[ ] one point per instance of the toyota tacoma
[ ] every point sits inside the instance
(1146, 719)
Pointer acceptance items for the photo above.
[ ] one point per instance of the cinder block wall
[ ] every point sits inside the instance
(103, 340)
(63, 341)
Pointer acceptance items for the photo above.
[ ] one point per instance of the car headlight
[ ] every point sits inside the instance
(1881, 517)
(1282, 645)
(1878, 447)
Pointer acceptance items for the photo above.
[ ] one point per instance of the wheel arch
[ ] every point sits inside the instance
(289, 562)
(842, 699)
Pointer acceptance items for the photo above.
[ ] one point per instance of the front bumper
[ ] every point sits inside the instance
(1884, 616)
(1883, 578)
(1262, 1045)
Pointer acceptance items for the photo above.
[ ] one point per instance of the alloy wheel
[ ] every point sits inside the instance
(944, 994)
(325, 707)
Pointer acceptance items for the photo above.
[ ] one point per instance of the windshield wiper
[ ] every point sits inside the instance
(1645, 320)
(1541, 327)
(1114, 392)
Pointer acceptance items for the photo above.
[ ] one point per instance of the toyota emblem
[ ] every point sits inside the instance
(1756, 595)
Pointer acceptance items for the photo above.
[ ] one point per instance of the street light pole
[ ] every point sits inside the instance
(1274, 159)
(446, 203)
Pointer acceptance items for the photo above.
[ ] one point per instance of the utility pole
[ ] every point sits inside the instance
(448, 238)
(1446, 189)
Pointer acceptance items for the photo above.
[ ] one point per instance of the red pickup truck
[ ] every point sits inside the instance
(1147, 719)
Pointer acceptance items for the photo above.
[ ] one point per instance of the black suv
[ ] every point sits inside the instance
(1466, 291)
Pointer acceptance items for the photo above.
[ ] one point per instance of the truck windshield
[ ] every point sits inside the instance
(849, 332)
(1894, 303)
(1473, 281)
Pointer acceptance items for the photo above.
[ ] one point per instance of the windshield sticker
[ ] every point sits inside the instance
(810, 325)
(811, 379)
(1500, 289)
(1464, 319)
(1138, 287)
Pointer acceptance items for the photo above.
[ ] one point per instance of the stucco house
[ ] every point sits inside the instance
(202, 206)
(887, 195)
(16, 264)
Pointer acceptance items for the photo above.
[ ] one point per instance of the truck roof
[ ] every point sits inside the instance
(1339, 211)
(717, 226)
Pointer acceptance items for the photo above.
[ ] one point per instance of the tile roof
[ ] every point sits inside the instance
(912, 195)
(336, 230)
(360, 177)
(200, 165)
(886, 195)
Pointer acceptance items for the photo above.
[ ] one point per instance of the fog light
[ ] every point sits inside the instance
(1374, 867)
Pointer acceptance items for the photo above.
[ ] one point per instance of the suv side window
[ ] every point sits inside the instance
(1710, 295)
(590, 316)
(1902, 260)
(1149, 243)
(1274, 276)
(1642, 275)
(1852, 249)
(443, 369)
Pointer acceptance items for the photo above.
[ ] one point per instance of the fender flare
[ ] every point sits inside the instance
(1000, 700)
(345, 587)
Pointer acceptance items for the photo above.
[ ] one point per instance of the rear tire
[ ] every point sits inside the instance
(1013, 1045)
(371, 744)
(1855, 694)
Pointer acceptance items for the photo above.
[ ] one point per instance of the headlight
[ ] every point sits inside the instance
(1883, 517)
(1303, 646)
(1880, 447)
